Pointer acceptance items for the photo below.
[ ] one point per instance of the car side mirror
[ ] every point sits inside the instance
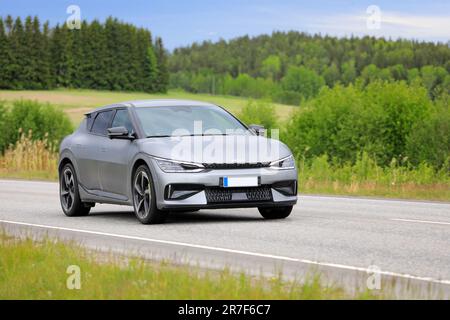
(119, 133)
(259, 130)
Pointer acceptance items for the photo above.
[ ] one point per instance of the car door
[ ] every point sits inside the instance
(117, 156)
(95, 149)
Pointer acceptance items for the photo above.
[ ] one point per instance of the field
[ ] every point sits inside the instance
(77, 102)
(105, 276)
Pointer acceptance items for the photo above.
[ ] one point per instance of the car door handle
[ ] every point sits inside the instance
(103, 149)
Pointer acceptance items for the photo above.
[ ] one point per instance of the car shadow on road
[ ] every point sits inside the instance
(184, 217)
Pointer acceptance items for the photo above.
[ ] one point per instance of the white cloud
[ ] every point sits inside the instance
(392, 24)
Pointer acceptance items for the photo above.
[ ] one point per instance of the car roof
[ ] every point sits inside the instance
(154, 103)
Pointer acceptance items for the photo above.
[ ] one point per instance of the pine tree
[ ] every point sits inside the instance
(94, 55)
(44, 69)
(4, 54)
(18, 55)
(77, 58)
(162, 78)
(113, 55)
(151, 71)
(28, 58)
(9, 63)
(61, 56)
(112, 74)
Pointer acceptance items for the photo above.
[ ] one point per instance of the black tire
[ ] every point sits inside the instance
(275, 212)
(145, 207)
(69, 195)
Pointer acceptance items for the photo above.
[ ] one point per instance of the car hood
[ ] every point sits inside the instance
(216, 149)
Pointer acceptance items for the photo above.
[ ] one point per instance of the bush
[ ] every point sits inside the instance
(43, 120)
(304, 81)
(377, 119)
(259, 112)
(430, 139)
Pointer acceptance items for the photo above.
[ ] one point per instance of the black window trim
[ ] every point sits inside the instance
(129, 117)
(108, 126)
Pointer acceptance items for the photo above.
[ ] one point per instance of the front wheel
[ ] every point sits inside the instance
(144, 198)
(275, 212)
(68, 193)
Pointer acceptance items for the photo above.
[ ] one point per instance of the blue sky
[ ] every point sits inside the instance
(183, 22)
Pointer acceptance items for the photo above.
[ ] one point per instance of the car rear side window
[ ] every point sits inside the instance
(101, 122)
(121, 119)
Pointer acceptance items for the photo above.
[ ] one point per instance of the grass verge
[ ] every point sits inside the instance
(38, 270)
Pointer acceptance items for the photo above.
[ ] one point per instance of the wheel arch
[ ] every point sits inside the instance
(138, 161)
(65, 158)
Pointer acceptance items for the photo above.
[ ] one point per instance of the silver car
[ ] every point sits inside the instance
(165, 155)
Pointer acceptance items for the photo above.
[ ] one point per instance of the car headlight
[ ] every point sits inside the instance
(283, 164)
(178, 166)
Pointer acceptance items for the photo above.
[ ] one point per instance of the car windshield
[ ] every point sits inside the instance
(188, 121)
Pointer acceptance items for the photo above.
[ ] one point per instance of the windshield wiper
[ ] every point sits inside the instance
(190, 135)
(203, 135)
(162, 136)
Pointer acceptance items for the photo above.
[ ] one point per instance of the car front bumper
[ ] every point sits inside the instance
(204, 189)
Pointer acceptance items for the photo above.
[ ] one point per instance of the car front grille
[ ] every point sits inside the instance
(221, 195)
(220, 166)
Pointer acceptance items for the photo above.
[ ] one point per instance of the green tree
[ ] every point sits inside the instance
(348, 72)
(331, 75)
(151, 71)
(303, 81)
(261, 113)
(271, 67)
(18, 59)
(61, 56)
(5, 56)
(162, 78)
(433, 78)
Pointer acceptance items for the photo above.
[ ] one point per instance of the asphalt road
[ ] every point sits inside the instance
(343, 238)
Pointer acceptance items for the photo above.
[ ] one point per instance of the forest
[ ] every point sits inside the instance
(290, 67)
(106, 56)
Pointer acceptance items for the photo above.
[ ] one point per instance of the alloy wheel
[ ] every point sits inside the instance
(67, 189)
(142, 194)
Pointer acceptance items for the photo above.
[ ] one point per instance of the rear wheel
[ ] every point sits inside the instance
(68, 193)
(275, 212)
(144, 198)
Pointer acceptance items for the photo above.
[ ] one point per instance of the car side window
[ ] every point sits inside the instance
(101, 122)
(122, 119)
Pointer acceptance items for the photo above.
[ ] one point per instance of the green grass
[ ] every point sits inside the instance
(37, 270)
(366, 178)
(76, 101)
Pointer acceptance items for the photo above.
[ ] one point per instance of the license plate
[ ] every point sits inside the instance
(240, 182)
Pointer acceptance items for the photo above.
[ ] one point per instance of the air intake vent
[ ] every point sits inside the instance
(219, 166)
(221, 195)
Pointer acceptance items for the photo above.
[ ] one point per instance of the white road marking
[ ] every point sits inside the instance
(422, 221)
(248, 253)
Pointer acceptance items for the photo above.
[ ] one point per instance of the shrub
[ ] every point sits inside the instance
(44, 120)
(344, 121)
(259, 112)
(304, 81)
(430, 139)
